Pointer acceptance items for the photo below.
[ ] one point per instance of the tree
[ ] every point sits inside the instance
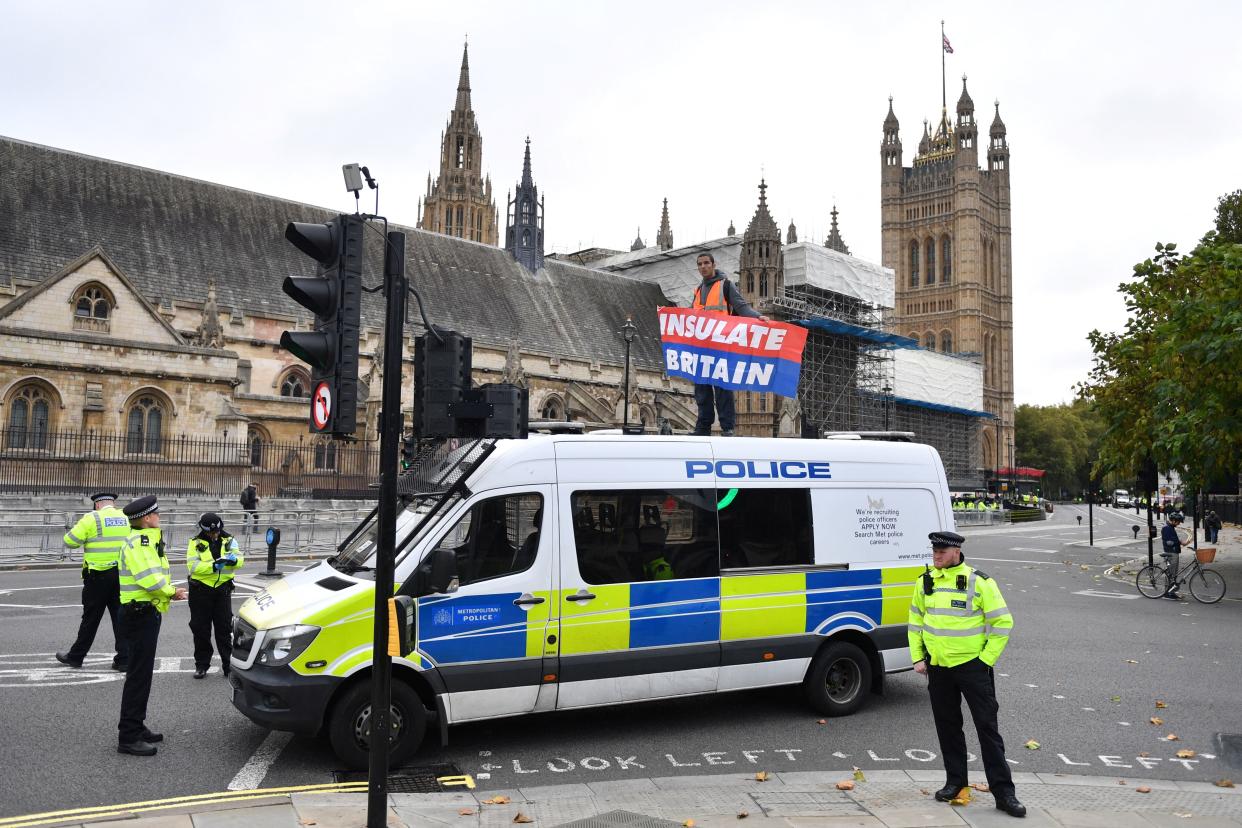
(1167, 385)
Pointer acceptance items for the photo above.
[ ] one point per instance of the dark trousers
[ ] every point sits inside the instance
(140, 624)
(211, 607)
(251, 513)
(101, 591)
(947, 686)
(704, 395)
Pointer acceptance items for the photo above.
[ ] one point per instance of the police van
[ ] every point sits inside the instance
(571, 571)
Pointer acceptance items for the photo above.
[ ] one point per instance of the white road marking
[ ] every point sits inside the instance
(1013, 560)
(1031, 549)
(1098, 593)
(28, 589)
(252, 773)
(39, 606)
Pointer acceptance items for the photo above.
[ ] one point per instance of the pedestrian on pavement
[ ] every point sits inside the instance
(212, 560)
(958, 627)
(146, 589)
(250, 502)
(1171, 550)
(1212, 526)
(717, 293)
(100, 534)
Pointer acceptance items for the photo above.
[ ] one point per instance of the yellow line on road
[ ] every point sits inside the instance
(106, 811)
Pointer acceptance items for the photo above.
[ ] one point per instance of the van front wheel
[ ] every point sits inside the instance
(349, 729)
(839, 678)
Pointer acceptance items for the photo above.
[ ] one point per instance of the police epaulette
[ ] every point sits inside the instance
(982, 574)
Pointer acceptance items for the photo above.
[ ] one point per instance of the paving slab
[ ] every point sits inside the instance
(918, 817)
(343, 816)
(719, 780)
(538, 792)
(335, 799)
(1179, 818)
(163, 821)
(437, 798)
(835, 822)
(1208, 787)
(1092, 819)
(622, 787)
(989, 817)
(1105, 781)
(269, 816)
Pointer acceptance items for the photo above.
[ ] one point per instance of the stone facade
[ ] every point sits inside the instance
(946, 233)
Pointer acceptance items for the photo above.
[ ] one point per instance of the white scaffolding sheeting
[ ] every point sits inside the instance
(807, 263)
(943, 379)
(674, 270)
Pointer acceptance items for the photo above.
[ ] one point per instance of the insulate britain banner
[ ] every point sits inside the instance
(734, 352)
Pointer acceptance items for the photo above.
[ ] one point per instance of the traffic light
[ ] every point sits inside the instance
(334, 296)
(409, 451)
(442, 367)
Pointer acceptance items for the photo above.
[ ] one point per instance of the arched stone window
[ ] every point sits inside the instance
(914, 264)
(295, 383)
(257, 443)
(946, 259)
(929, 341)
(325, 454)
(525, 218)
(763, 284)
(929, 247)
(553, 408)
(92, 308)
(946, 342)
(144, 424)
(30, 417)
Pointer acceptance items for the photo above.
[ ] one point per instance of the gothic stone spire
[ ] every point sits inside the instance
(664, 239)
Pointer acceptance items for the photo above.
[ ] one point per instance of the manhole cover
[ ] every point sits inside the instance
(1230, 748)
(409, 779)
(621, 819)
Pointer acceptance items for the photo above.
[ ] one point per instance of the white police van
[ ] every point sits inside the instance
(571, 571)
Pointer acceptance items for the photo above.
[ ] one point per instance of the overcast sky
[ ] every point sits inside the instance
(1124, 118)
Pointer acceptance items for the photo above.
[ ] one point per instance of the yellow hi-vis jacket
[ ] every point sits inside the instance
(101, 532)
(144, 569)
(965, 617)
(200, 560)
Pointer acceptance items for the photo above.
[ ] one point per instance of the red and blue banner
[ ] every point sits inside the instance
(734, 352)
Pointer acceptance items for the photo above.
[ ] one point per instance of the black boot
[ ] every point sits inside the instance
(63, 658)
(139, 748)
(152, 736)
(949, 792)
(199, 672)
(1010, 805)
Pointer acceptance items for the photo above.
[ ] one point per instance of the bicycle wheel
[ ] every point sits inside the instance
(1152, 581)
(1207, 586)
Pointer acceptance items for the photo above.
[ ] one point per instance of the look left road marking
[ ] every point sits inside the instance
(252, 773)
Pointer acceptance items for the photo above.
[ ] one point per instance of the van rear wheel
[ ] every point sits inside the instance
(349, 729)
(839, 678)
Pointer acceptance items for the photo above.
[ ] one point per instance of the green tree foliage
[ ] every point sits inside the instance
(1062, 440)
(1169, 383)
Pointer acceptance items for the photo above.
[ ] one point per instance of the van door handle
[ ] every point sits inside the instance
(527, 600)
(581, 595)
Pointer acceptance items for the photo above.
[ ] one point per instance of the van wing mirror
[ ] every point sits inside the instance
(438, 573)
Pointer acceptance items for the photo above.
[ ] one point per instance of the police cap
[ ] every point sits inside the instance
(141, 507)
(98, 496)
(210, 522)
(940, 540)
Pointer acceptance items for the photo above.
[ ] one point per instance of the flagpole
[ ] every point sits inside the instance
(944, 98)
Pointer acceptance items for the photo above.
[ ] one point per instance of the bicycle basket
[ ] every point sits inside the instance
(1205, 554)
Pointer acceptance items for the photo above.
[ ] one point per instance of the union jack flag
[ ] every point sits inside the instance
(948, 47)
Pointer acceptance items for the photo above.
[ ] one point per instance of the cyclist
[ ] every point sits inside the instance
(1172, 549)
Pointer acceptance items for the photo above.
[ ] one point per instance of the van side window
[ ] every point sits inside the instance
(498, 536)
(765, 527)
(632, 535)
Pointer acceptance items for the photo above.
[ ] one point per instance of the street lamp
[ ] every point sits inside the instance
(628, 330)
(1013, 471)
(888, 399)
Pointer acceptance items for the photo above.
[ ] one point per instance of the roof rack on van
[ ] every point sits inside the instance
(891, 436)
(556, 427)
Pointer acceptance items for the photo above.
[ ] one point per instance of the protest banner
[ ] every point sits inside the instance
(734, 352)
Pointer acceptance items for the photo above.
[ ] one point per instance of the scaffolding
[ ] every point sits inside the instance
(954, 435)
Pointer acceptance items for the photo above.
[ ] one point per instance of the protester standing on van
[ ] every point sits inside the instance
(100, 534)
(212, 559)
(717, 293)
(958, 627)
(146, 589)
(250, 502)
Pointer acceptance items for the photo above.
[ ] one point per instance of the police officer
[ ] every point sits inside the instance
(212, 559)
(99, 534)
(959, 625)
(146, 589)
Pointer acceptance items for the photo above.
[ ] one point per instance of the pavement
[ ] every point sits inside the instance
(883, 799)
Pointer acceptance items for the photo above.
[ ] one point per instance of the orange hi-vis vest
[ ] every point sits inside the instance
(715, 298)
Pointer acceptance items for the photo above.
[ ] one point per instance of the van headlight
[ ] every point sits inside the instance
(283, 644)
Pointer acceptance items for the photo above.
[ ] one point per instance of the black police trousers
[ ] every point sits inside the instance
(974, 681)
(211, 607)
(140, 624)
(101, 591)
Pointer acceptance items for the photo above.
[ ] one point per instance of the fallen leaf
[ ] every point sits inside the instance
(1131, 661)
(926, 792)
(689, 823)
(307, 822)
(1156, 720)
(1122, 782)
(1085, 568)
(845, 785)
(1031, 744)
(522, 819)
(1114, 698)
(498, 799)
(465, 811)
(1160, 705)
(1185, 754)
(743, 814)
(1172, 737)
(1180, 815)
(761, 776)
(980, 786)
(822, 721)
(1223, 783)
(858, 774)
(962, 798)
(1143, 789)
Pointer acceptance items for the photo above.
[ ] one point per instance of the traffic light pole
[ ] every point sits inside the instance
(386, 540)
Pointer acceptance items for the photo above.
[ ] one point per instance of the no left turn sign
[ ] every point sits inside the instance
(321, 406)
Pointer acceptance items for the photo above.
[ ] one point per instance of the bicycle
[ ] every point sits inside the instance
(1206, 585)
